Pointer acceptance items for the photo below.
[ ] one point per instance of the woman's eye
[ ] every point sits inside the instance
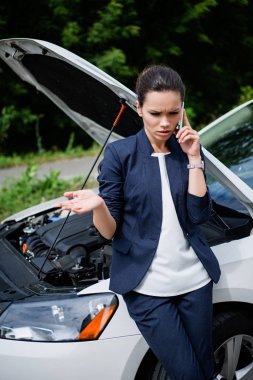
(159, 114)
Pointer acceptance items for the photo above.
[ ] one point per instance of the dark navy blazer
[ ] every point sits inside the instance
(130, 184)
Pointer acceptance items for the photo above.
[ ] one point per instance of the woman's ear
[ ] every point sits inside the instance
(138, 107)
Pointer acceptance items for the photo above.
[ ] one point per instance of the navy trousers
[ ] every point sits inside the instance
(178, 329)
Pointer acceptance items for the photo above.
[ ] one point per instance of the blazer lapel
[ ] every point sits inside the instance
(152, 182)
(175, 179)
(176, 174)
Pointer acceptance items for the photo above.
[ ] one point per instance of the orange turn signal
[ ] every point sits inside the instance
(97, 324)
(24, 248)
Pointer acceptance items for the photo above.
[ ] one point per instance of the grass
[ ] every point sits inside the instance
(47, 156)
(28, 190)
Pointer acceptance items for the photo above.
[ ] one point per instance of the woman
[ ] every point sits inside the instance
(152, 198)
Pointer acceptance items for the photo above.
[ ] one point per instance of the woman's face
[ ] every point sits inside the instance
(161, 112)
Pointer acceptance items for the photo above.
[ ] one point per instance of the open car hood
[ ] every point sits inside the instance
(90, 97)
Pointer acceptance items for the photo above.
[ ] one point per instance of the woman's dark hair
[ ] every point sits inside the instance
(158, 78)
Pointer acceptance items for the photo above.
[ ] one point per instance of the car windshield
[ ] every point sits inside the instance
(231, 141)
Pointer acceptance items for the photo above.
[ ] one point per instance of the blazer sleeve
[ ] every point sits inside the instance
(111, 182)
(199, 208)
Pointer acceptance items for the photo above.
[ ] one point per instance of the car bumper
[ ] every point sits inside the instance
(114, 359)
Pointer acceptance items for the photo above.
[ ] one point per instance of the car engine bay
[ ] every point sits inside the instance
(80, 257)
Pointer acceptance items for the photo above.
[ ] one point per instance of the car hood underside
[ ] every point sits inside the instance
(85, 93)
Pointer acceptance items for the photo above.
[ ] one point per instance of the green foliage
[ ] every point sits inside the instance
(59, 8)
(8, 114)
(245, 94)
(18, 89)
(209, 42)
(113, 61)
(175, 50)
(153, 54)
(193, 13)
(204, 38)
(18, 118)
(70, 143)
(27, 117)
(111, 24)
(106, 28)
(27, 191)
(116, 24)
(198, 10)
(191, 115)
(70, 34)
(63, 9)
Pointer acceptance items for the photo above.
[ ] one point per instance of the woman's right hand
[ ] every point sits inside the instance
(81, 201)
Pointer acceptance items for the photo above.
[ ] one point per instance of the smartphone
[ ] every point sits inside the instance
(180, 123)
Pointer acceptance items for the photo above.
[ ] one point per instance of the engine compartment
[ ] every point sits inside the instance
(80, 257)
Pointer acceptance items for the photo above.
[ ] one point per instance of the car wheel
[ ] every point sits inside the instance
(151, 369)
(233, 345)
(233, 349)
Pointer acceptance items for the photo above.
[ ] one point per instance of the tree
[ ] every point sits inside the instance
(209, 42)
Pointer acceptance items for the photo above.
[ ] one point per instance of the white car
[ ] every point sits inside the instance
(58, 319)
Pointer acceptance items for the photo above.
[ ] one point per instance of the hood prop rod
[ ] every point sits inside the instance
(122, 108)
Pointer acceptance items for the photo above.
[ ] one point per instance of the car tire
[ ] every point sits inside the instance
(151, 369)
(233, 345)
(233, 333)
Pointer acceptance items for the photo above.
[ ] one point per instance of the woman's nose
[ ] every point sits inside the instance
(165, 122)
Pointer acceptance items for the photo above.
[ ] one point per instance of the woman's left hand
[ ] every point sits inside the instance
(188, 138)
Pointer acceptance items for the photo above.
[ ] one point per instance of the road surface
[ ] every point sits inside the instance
(69, 168)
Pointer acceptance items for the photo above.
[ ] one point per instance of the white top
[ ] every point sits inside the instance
(175, 268)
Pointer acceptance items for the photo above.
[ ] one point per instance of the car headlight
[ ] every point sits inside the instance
(72, 318)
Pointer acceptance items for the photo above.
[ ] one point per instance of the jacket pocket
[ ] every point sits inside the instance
(121, 245)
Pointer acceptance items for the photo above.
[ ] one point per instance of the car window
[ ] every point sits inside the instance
(223, 196)
(231, 141)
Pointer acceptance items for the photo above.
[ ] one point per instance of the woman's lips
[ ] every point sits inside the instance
(164, 133)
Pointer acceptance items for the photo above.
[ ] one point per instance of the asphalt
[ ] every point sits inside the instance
(68, 169)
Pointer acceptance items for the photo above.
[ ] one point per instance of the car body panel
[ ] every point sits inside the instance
(34, 210)
(114, 359)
